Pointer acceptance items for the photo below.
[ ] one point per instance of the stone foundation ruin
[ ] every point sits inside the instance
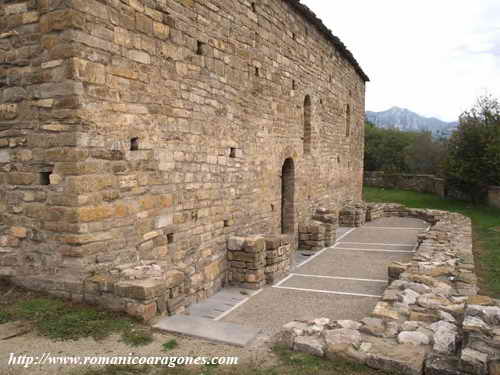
(430, 320)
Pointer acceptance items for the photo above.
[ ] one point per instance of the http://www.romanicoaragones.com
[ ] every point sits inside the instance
(129, 360)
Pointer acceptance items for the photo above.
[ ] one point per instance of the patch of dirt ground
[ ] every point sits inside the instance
(21, 339)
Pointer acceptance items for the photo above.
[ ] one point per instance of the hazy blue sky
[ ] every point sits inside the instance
(431, 56)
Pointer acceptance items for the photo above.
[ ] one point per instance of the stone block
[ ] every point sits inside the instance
(174, 278)
(235, 243)
(254, 245)
(146, 311)
(310, 345)
(413, 338)
(89, 71)
(61, 20)
(438, 364)
(19, 232)
(141, 289)
(391, 357)
(494, 368)
(384, 310)
(474, 362)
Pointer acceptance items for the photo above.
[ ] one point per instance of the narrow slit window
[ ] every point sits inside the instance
(348, 120)
(254, 7)
(134, 144)
(257, 71)
(232, 152)
(45, 178)
(200, 48)
(226, 223)
(170, 238)
(307, 124)
(294, 85)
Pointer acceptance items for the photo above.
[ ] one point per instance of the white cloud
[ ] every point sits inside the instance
(433, 57)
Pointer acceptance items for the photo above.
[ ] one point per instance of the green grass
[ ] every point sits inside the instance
(137, 336)
(5, 317)
(59, 320)
(115, 370)
(485, 222)
(170, 345)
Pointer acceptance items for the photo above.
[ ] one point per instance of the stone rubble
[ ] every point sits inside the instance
(430, 319)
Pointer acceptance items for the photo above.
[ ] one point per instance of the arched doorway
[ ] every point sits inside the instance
(288, 197)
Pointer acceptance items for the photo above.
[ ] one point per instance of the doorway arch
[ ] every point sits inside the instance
(288, 197)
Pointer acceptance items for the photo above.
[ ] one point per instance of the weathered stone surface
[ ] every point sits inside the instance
(474, 362)
(438, 364)
(472, 324)
(410, 296)
(384, 310)
(445, 337)
(145, 312)
(490, 314)
(349, 324)
(494, 368)
(310, 345)
(339, 339)
(387, 356)
(373, 326)
(432, 301)
(410, 325)
(413, 338)
(480, 300)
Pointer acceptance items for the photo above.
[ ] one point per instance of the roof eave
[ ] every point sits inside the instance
(315, 21)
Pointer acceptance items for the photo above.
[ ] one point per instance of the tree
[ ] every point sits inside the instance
(384, 149)
(473, 160)
(426, 154)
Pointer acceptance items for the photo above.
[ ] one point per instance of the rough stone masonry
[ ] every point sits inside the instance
(137, 136)
(430, 320)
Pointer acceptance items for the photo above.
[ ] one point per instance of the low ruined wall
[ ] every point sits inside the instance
(420, 183)
(425, 184)
(320, 232)
(257, 260)
(430, 320)
(494, 196)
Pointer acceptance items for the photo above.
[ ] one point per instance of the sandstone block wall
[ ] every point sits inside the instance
(139, 135)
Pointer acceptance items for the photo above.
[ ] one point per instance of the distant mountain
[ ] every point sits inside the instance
(407, 120)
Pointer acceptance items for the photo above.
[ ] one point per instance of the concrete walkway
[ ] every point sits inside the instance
(344, 281)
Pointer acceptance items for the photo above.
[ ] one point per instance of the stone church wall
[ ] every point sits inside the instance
(137, 136)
